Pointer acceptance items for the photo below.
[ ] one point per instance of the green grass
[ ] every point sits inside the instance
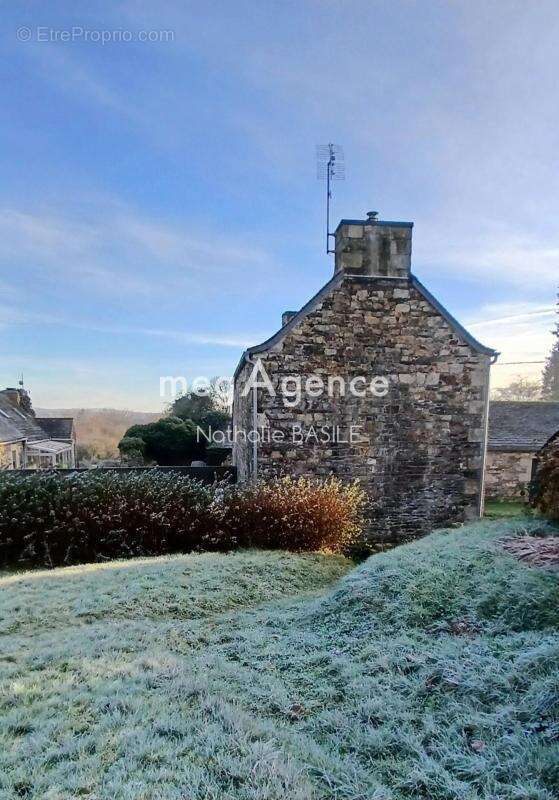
(431, 672)
(497, 509)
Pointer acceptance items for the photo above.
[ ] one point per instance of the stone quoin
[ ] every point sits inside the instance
(420, 454)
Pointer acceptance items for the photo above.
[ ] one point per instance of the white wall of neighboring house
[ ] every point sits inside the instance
(12, 455)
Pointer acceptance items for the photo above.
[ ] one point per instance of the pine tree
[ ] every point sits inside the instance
(550, 378)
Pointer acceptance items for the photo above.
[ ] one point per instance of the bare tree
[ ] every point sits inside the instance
(519, 389)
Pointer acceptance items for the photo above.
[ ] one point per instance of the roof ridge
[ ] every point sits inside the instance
(452, 321)
(335, 281)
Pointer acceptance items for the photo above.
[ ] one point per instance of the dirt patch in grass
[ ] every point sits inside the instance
(539, 551)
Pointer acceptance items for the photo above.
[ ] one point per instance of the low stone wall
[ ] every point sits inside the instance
(507, 475)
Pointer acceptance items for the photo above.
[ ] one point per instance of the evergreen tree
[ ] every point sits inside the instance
(550, 379)
(169, 441)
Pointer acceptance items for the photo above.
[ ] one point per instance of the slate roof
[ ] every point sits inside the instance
(8, 431)
(17, 425)
(521, 426)
(57, 427)
(26, 424)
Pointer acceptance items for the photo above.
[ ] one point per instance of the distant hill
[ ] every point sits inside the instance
(100, 429)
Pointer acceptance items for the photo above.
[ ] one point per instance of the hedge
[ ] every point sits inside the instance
(47, 519)
(544, 493)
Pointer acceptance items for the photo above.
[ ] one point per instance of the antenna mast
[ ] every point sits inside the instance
(330, 166)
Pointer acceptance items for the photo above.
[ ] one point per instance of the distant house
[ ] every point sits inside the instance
(31, 442)
(517, 430)
(12, 443)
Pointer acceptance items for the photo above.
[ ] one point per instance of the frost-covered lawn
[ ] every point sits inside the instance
(431, 672)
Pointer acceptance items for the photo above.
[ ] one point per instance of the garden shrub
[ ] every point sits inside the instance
(295, 514)
(169, 441)
(545, 490)
(132, 449)
(51, 520)
(48, 519)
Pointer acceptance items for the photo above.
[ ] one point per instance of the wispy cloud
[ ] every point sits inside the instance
(502, 257)
(146, 256)
(235, 340)
(521, 332)
(514, 313)
(11, 316)
(56, 66)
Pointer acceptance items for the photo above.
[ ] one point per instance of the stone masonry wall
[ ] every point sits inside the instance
(420, 449)
(507, 475)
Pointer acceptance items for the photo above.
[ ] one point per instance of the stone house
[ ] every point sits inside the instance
(517, 430)
(12, 445)
(419, 449)
(30, 442)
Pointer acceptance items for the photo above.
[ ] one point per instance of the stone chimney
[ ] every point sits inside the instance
(373, 247)
(12, 396)
(287, 316)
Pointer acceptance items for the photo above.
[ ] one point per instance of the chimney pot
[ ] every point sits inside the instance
(287, 316)
(12, 395)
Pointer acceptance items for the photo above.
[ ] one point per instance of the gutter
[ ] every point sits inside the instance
(254, 476)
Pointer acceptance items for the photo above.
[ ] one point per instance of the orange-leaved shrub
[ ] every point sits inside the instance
(545, 489)
(294, 514)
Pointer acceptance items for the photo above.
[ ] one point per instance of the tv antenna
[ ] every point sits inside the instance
(330, 166)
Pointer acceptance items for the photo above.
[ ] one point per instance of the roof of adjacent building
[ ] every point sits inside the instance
(47, 446)
(17, 424)
(24, 423)
(57, 427)
(521, 426)
(8, 431)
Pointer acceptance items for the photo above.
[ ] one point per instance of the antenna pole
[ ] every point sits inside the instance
(328, 196)
(330, 165)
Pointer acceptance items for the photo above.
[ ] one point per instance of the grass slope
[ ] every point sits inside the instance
(431, 671)
(497, 509)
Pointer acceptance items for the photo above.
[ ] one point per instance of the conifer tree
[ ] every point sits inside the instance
(550, 378)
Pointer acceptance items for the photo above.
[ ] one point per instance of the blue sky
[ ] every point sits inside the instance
(159, 207)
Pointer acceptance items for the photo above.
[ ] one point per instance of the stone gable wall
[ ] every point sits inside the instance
(420, 449)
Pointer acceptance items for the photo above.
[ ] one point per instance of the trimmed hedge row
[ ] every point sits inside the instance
(51, 520)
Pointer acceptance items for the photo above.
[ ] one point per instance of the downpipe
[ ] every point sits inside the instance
(254, 426)
(481, 503)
